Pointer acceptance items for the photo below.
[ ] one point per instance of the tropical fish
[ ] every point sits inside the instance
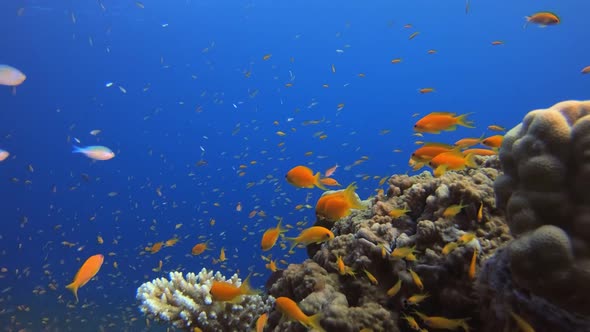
(438, 322)
(270, 237)
(451, 161)
(426, 90)
(303, 177)
(416, 279)
(468, 142)
(4, 154)
(88, 270)
(342, 268)
(472, 265)
(453, 210)
(199, 248)
(430, 150)
(493, 141)
(543, 19)
(397, 213)
(314, 234)
(371, 277)
(11, 76)
(586, 70)
(336, 205)
(402, 252)
(330, 182)
(395, 289)
(479, 152)
(417, 298)
(156, 247)
(436, 122)
(523, 325)
(290, 309)
(496, 128)
(261, 322)
(330, 171)
(226, 292)
(96, 152)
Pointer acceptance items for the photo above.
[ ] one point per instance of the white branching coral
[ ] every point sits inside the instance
(186, 303)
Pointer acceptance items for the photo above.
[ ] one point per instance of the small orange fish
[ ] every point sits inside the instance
(330, 171)
(430, 150)
(543, 19)
(239, 207)
(451, 161)
(314, 234)
(480, 212)
(468, 142)
(472, 265)
(396, 60)
(493, 141)
(156, 247)
(88, 270)
(453, 210)
(270, 237)
(586, 70)
(426, 90)
(290, 309)
(330, 182)
(436, 122)
(199, 248)
(261, 322)
(225, 292)
(480, 152)
(438, 322)
(266, 57)
(496, 128)
(171, 242)
(336, 205)
(303, 177)
(416, 279)
(395, 288)
(497, 42)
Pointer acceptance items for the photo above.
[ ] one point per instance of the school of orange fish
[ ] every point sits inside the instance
(332, 206)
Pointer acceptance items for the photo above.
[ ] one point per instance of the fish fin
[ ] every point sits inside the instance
(440, 170)
(462, 121)
(352, 198)
(76, 149)
(74, 288)
(470, 160)
(314, 322)
(317, 181)
(245, 287)
(294, 242)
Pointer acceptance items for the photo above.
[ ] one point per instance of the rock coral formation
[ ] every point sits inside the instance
(366, 239)
(186, 303)
(544, 191)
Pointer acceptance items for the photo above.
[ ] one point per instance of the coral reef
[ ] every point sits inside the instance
(186, 303)
(544, 191)
(366, 239)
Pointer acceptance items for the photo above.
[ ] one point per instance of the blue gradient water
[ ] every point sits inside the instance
(182, 65)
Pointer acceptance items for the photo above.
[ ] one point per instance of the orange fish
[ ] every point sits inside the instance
(303, 177)
(261, 322)
(270, 237)
(451, 161)
(224, 291)
(436, 122)
(397, 60)
(468, 142)
(429, 151)
(171, 242)
(290, 309)
(88, 270)
(330, 182)
(337, 205)
(199, 248)
(496, 128)
(480, 152)
(586, 70)
(330, 171)
(493, 141)
(543, 19)
(156, 247)
(314, 234)
(426, 90)
(472, 265)
(497, 42)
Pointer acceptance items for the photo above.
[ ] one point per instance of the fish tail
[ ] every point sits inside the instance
(462, 121)
(470, 160)
(246, 288)
(76, 149)
(294, 242)
(314, 322)
(317, 181)
(352, 198)
(74, 288)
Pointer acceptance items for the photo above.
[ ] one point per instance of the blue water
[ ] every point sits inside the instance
(182, 82)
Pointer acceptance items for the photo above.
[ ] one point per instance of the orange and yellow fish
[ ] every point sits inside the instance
(303, 177)
(436, 122)
(543, 19)
(336, 205)
(270, 237)
(88, 270)
(290, 309)
(314, 234)
(224, 291)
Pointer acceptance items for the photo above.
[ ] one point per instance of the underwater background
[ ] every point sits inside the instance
(208, 104)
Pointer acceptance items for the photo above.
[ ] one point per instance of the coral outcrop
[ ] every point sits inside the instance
(366, 239)
(544, 190)
(186, 303)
